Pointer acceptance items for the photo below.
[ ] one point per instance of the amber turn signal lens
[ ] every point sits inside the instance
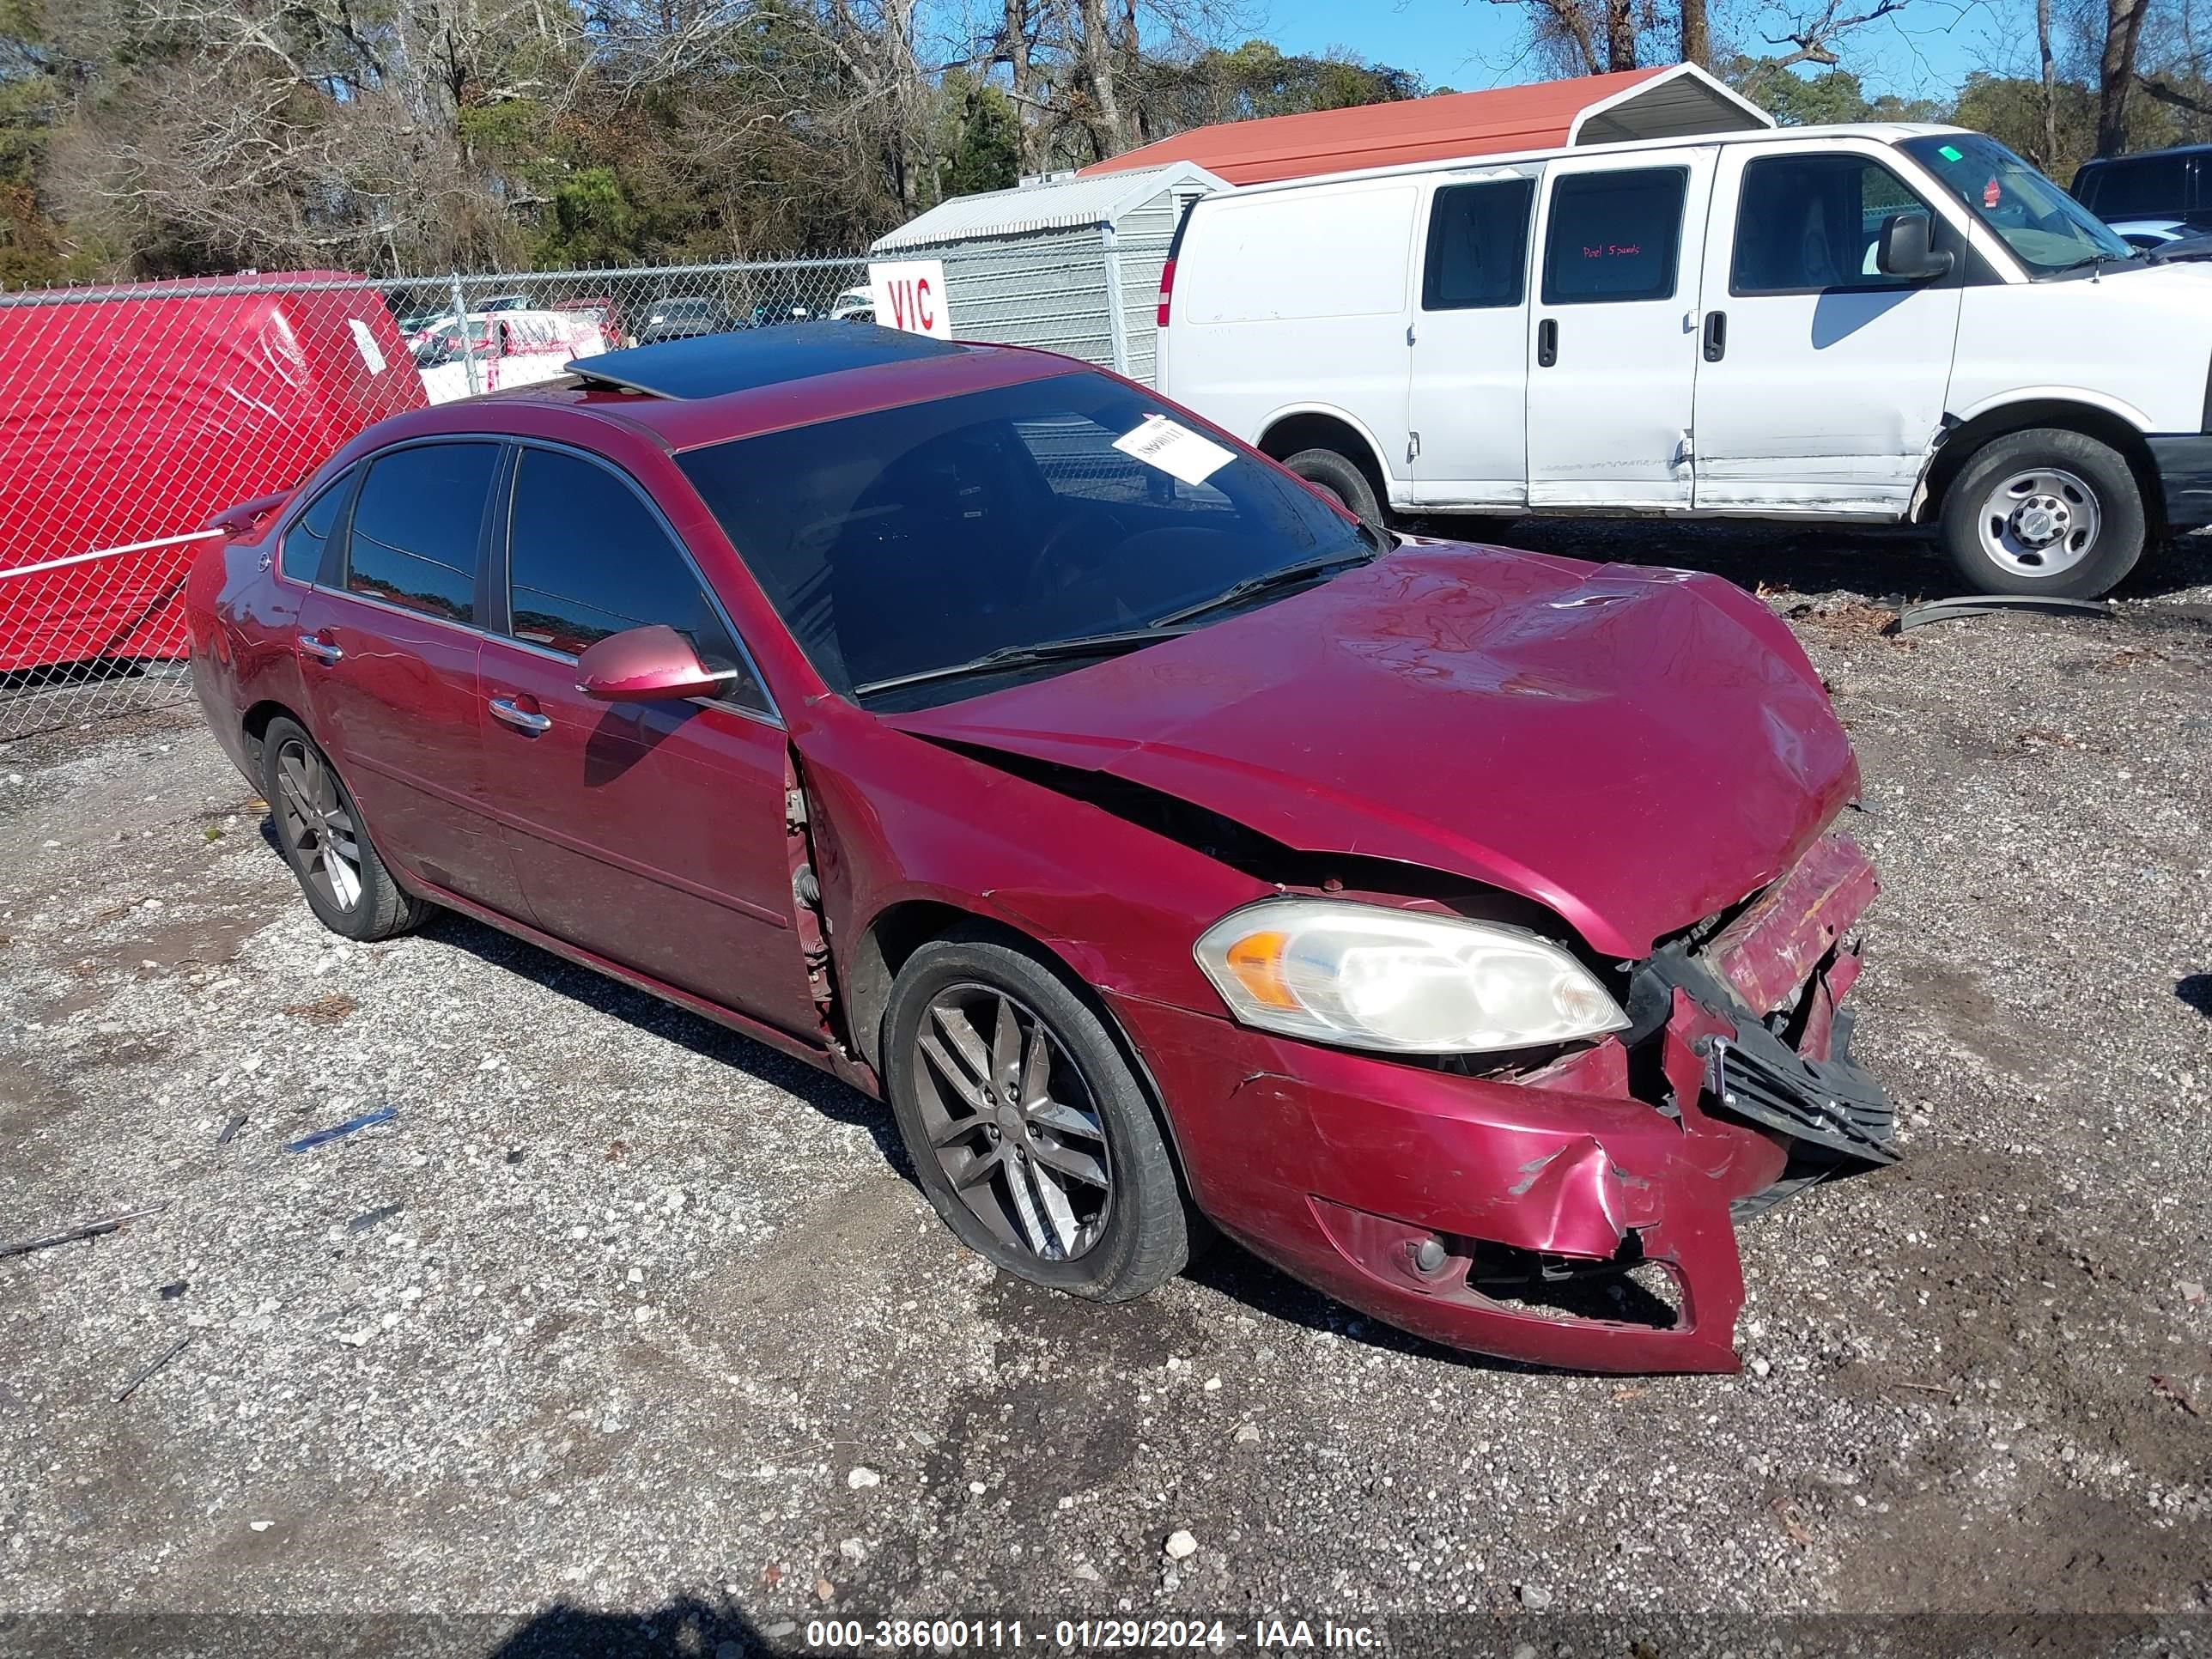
(1257, 961)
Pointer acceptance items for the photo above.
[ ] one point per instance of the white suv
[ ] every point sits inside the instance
(1866, 324)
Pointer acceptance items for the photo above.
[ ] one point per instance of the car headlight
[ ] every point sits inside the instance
(1363, 976)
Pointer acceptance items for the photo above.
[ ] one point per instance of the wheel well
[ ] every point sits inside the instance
(1960, 445)
(256, 724)
(902, 929)
(1295, 432)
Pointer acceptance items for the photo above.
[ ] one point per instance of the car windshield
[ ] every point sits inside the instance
(913, 539)
(2047, 230)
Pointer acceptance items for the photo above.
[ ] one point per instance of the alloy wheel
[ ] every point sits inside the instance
(1013, 1122)
(316, 822)
(2040, 522)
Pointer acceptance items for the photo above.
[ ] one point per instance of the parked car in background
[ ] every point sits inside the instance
(2157, 185)
(505, 349)
(1157, 838)
(604, 311)
(1859, 324)
(685, 317)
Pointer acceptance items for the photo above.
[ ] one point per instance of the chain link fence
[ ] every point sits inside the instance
(131, 415)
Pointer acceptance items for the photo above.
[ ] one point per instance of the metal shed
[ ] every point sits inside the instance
(1592, 109)
(1071, 264)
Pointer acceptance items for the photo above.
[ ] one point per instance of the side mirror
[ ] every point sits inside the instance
(646, 665)
(1905, 252)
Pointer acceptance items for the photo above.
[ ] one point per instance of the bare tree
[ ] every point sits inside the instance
(2116, 72)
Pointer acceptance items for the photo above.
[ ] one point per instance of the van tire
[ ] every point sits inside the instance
(1339, 475)
(2016, 492)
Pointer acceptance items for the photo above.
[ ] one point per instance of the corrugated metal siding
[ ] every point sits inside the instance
(1047, 289)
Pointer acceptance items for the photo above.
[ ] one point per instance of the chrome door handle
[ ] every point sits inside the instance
(322, 650)
(522, 719)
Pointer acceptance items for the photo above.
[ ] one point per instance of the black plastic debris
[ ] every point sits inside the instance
(131, 1386)
(1978, 605)
(340, 1131)
(89, 1230)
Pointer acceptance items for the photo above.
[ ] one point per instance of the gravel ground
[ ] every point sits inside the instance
(624, 1323)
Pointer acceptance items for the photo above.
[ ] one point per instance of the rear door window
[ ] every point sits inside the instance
(1478, 246)
(417, 526)
(1614, 236)
(587, 558)
(309, 535)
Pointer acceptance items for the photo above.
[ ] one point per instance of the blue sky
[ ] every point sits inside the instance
(1924, 51)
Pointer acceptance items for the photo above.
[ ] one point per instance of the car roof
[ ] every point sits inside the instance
(687, 393)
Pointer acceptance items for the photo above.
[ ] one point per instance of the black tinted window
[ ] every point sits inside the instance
(1613, 235)
(914, 539)
(1807, 222)
(1478, 246)
(415, 527)
(311, 533)
(587, 558)
(2149, 186)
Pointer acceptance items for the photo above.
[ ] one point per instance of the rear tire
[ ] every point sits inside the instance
(1340, 476)
(2046, 511)
(1048, 1163)
(322, 838)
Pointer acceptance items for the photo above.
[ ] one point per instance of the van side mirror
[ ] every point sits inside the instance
(1905, 252)
(646, 665)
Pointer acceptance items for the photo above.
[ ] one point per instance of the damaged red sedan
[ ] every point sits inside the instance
(1466, 931)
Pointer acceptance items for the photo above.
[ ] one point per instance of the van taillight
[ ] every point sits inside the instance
(1167, 290)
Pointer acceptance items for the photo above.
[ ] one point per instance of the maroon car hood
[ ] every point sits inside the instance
(1635, 748)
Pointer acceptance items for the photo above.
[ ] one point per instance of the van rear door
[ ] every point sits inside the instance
(1614, 352)
(1467, 392)
(1822, 381)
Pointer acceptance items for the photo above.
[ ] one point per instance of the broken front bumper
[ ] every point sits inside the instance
(1580, 1216)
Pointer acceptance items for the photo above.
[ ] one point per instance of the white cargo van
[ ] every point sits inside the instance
(1864, 324)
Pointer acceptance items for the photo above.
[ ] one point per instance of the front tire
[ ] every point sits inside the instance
(1340, 476)
(2047, 513)
(1028, 1129)
(322, 838)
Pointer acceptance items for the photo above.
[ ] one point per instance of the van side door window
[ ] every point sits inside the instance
(1612, 367)
(1808, 222)
(1821, 381)
(1614, 236)
(1467, 368)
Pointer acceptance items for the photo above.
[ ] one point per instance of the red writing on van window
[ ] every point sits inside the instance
(913, 307)
(1613, 251)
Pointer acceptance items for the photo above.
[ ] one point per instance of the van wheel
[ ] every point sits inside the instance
(2045, 512)
(1028, 1130)
(1333, 475)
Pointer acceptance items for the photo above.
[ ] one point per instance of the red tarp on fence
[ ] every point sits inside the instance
(140, 414)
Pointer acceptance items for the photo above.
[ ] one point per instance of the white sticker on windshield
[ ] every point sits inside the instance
(1174, 449)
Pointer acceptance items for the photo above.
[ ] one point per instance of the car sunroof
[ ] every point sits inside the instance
(746, 359)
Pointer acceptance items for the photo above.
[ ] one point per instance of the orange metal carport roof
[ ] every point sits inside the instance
(1662, 102)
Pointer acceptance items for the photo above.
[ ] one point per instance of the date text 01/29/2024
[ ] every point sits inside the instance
(1083, 1635)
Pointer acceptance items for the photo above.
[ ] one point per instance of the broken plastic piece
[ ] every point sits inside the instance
(1976, 605)
(89, 1230)
(338, 1131)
